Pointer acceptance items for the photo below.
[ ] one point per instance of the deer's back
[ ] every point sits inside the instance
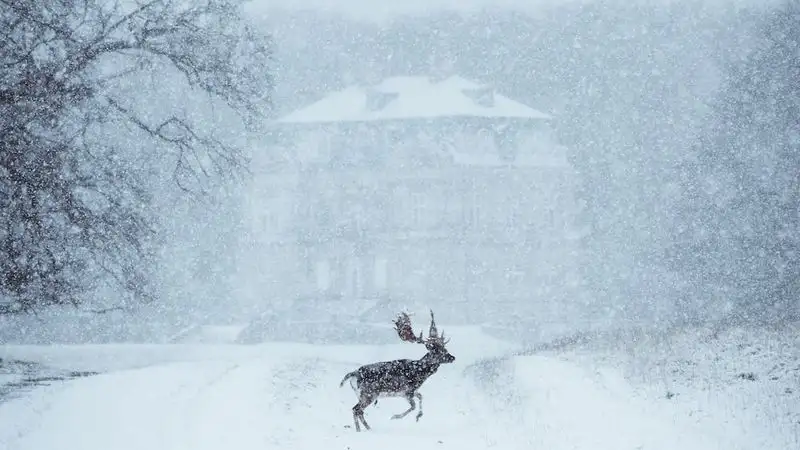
(399, 375)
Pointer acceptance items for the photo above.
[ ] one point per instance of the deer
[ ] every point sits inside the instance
(400, 377)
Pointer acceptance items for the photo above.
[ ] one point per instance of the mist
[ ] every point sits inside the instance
(629, 87)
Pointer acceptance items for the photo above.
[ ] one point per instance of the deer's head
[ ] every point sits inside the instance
(435, 344)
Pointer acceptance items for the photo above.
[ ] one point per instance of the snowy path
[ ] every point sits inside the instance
(289, 403)
(273, 398)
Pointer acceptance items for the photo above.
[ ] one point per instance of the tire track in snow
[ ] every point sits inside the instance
(280, 400)
(294, 379)
(38, 408)
(233, 408)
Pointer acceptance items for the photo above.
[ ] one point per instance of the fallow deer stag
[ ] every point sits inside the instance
(401, 377)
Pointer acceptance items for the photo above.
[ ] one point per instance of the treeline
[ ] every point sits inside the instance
(737, 240)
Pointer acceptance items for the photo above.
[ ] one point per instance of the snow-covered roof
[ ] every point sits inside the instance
(410, 97)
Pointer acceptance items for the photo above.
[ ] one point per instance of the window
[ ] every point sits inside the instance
(323, 272)
(472, 211)
(453, 208)
(417, 209)
(380, 274)
(513, 214)
(401, 206)
(354, 286)
(475, 215)
(515, 279)
(262, 221)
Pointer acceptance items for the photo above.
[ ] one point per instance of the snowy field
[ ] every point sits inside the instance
(737, 384)
(284, 395)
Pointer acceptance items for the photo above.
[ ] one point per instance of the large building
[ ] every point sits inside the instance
(414, 191)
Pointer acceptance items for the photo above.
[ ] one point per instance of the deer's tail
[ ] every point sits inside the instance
(348, 376)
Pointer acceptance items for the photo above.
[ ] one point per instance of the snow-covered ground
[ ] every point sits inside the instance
(285, 395)
(737, 384)
(208, 334)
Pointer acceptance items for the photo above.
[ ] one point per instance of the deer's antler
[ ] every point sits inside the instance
(433, 334)
(403, 327)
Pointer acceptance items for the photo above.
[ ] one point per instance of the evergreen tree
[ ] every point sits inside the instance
(740, 236)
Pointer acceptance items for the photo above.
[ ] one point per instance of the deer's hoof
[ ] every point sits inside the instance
(418, 416)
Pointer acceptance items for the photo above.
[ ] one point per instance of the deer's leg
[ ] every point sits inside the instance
(358, 411)
(412, 405)
(363, 420)
(419, 397)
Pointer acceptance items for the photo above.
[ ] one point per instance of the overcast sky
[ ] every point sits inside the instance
(383, 9)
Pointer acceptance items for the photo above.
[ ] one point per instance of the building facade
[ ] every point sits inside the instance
(386, 195)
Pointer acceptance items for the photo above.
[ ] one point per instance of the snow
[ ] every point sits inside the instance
(572, 410)
(209, 334)
(738, 384)
(384, 11)
(412, 98)
(284, 395)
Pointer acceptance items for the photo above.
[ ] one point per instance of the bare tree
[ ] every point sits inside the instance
(73, 207)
